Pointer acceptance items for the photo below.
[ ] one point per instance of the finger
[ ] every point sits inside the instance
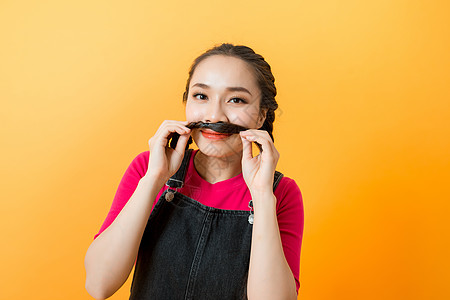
(166, 124)
(182, 142)
(180, 129)
(262, 138)
(247, 151)
(174, 136)
(167, 132)
(256, 132)
(175, 122)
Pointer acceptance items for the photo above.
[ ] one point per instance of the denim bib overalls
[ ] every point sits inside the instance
(193, 251)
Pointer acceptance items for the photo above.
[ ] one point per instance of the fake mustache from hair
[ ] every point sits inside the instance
(220, 127)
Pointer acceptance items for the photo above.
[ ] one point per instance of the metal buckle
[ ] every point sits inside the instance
(176, 180)
(251, 216)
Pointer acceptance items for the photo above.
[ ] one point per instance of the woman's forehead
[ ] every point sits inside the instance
(221, 71)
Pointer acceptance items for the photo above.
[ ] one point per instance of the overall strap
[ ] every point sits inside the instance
(177, 180)
(276, 179)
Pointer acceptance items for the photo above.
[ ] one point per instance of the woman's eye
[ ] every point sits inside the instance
(195, 96)
(237, 100)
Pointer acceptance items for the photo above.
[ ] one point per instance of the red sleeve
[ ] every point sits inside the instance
(135, 171)
(290, 221)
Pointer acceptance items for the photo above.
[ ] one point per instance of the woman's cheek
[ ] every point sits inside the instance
(196, 116)
(246, 118)
(253, 115)
(193, 114)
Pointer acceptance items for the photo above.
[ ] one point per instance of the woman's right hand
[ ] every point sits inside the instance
(164, 161)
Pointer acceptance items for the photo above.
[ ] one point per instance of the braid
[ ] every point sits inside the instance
(268, 123)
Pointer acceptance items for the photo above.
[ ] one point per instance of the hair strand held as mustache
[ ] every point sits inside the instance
(220, 127)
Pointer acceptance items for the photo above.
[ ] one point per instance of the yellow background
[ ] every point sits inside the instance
(363, 128)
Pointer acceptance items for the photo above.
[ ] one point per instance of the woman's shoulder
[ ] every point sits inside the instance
(143, 156)
(139, 164)
(288, 191)
(287, 183)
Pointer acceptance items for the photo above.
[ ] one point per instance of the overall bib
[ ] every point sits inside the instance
(193, 251)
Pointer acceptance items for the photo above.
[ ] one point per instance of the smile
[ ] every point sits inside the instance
(213, 135)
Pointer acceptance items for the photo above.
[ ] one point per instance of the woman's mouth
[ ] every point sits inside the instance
(213, 135)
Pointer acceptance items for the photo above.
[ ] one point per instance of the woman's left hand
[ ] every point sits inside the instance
(258, 171)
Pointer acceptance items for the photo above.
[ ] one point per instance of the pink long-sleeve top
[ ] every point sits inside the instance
(231, 194)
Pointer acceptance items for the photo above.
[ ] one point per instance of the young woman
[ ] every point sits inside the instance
(212, 223)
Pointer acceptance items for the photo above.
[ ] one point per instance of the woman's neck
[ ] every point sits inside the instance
(215, 169)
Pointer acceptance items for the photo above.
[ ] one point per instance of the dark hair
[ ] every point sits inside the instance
(261, 70)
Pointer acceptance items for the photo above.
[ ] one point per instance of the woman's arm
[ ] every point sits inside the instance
(111, 256)
(270, 276)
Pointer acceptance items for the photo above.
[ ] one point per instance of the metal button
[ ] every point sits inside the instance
(250, 219)
(169, 196)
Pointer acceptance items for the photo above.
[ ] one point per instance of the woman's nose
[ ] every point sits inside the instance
(215, 113)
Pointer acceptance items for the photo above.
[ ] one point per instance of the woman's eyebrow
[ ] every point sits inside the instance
(231, 88)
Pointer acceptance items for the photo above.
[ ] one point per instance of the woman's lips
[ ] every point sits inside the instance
(213, 135)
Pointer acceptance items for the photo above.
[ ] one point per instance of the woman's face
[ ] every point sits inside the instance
(223, 88)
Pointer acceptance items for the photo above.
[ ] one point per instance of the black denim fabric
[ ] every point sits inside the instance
(192, 251)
